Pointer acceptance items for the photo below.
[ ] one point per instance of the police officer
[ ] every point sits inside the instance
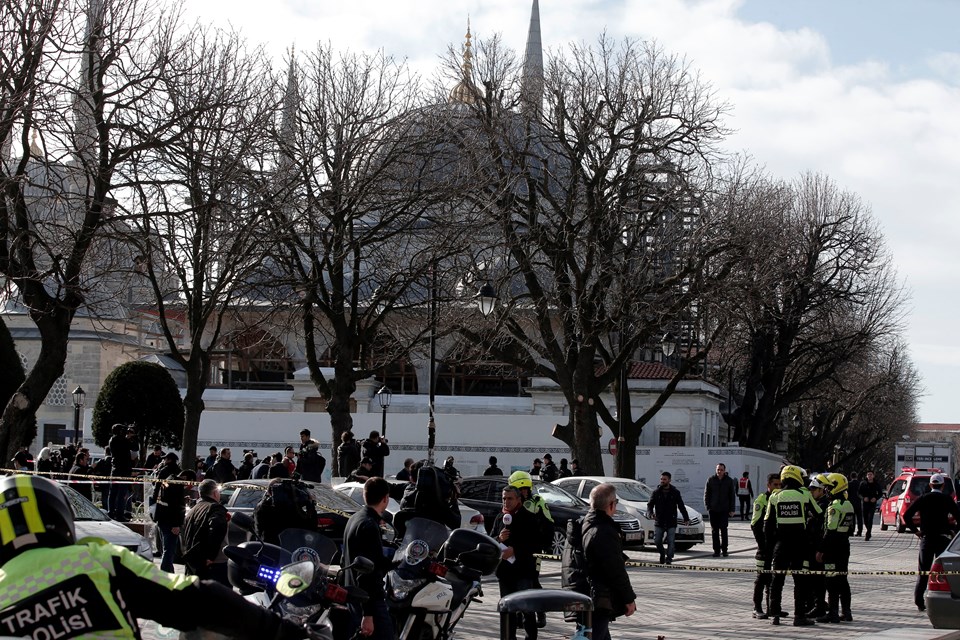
(935, 530)
(761, 586)
(834, 551)
(535, 504)
(92, 589)
(785, 532)
(816, 589)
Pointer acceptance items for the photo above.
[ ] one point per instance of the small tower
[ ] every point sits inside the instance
(531, 85)
(84, 123)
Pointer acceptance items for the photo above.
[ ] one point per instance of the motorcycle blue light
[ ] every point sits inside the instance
(268, 574)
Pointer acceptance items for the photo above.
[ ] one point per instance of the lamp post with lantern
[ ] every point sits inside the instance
(384, 396)
(79, 395)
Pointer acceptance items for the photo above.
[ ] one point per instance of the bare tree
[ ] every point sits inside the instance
(364, 217)
(596, 206)
(198, 216)
(58, 166)
(813, 292)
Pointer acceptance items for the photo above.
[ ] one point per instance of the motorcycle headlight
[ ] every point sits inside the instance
(400, 588)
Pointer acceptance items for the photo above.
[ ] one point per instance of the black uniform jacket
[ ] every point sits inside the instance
(602, 548)
(362, 538)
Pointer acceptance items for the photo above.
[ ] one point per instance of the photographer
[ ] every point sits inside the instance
(375, 447)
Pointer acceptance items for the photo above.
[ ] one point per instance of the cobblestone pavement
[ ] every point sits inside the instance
(708, 600)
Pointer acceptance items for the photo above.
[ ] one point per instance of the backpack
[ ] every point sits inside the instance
(573, 575)
(288, 504)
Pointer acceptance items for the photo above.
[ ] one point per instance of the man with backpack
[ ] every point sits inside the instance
(286, 504)
(310, 463)
(430, 495)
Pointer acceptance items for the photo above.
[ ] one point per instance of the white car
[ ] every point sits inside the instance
(469, 518)
(633, 496)
(89, 521)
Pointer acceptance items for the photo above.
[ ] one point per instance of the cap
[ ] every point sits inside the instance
(547, 456)
(936, 479)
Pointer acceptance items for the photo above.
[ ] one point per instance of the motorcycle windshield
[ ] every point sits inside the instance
(303, 544)
(429, 536)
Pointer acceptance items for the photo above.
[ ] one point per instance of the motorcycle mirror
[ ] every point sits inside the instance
(295, 578)
(362, 565)
(244, 521)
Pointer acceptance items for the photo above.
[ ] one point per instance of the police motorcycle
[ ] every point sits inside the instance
(437, 578)
(294, 578)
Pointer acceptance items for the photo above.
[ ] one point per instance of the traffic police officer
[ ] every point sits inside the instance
(935, 530)
(816, 604)
(761, 585)
(834, 551)
(52, 586)
(785, 532)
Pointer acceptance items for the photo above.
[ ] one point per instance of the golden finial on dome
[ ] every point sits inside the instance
(465, 92)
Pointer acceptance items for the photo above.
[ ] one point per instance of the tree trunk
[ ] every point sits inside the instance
(341, 420)
(18, 426)
(198, 371)
(586, 447)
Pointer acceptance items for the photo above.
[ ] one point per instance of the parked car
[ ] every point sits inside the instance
(943, 591)
(90, 521)
(470, 518)
(484, 493)
(333, 508)
(907, 487)
(633, 496)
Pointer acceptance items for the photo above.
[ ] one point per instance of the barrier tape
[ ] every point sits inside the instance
(786, 572)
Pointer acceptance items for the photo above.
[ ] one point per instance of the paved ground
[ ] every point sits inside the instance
(707, 600)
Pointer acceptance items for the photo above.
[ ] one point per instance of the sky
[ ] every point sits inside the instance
(866, 91)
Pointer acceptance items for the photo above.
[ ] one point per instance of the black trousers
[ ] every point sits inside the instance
(788, 554)
(869, 509)
(858, 513)
(718, 529)
(930, 548)
(838, 586)
(763, 581)
(745, 504)
(528, 619)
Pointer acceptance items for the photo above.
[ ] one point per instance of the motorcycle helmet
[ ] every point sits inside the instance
(791, 472)
(840, 483)
(520, 480)
(33, 513)
(821, 481)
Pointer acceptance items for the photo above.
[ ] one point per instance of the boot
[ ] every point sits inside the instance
(803, 622)
(831, 616)
(846, 616)
(541, 619)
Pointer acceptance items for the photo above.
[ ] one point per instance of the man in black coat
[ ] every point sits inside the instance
(870, 493)
(665, 502)
(202, 536)
(610, 586)
(223, 469)
(310, 462)
(493, 469)
(121, 468)
(720, 499)
(171, 502)
(348, 454)
(375, 447)
(517, 529)
(549, 472)
(935, 530)
(362, 538)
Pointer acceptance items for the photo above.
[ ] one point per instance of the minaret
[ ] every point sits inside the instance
(291, 103)
(531, 85)
(466, 92)
(84, 124)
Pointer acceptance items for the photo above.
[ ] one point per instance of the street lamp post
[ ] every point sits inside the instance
(431, 382)
(78, 397)
(384, 395)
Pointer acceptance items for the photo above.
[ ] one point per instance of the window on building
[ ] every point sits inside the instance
(673, 439)
(54, 433)
(57, 396)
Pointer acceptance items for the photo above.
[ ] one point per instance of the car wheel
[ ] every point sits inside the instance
(900, 526)
(883, 525)
(559, 539)
(683, 546)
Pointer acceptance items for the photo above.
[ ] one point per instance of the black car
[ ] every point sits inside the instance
(484, 493)
(333, 508)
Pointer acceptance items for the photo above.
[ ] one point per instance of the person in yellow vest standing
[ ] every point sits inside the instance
(745, 495)
(53, 586)
(834, 552)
